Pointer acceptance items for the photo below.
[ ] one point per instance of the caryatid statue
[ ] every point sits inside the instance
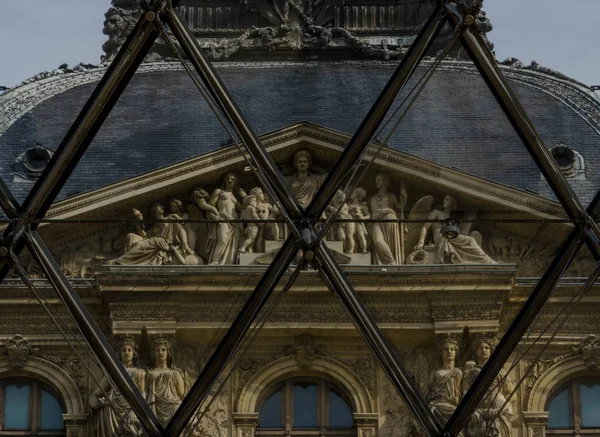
(493, 416)
(112, 416)
(165, 384)
(445, 383)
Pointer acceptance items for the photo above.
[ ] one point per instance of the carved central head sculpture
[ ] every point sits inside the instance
(482, 347)
(229, 181)
(162, 353)
(302, 160)
(157, 210)
(128, 351)
(382, 181)
(450, 203)
(448, 349)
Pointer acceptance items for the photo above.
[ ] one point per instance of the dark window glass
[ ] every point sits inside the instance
(590, 404)
(305, 406)
(16, 406)
(270, 412)
(559, 411)
(340, 413)
(51, 412)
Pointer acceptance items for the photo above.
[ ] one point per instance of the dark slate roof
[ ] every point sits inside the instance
(161, 118)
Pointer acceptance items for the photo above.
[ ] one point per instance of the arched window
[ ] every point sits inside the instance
(306, 405)
(29, 407)
(576, 405)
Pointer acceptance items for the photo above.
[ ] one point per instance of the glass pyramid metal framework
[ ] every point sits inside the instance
(160, 14)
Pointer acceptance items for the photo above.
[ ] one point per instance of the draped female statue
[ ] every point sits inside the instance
(303, 183)
(165, 383)
(493, 416)
(388, 240)
(163, 243)
(444, 389)
(112, 416)
(224, 237)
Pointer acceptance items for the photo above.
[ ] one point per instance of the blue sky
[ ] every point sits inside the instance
(38, 35)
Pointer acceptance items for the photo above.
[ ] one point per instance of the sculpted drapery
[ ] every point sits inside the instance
(445, 383)
(493, 416)
(163, 243)
(463, 249)
(388, 237)
(165, 383)
(112, 417)
(224, 237)
(304, 185)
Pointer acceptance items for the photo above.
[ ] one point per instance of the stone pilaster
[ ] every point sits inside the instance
(535, 422)
(75, 424)
(245, 424)
(366, 424)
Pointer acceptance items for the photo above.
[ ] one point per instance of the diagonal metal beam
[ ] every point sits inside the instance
(93, 334)
(84, 129)
(366, 325)
(201, 388)
(360, 140)
(8, 203)
(49, 185)
(515, 332)
(232, 338)
(484, 60)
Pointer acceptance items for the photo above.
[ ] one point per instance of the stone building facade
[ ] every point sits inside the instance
(165, 292)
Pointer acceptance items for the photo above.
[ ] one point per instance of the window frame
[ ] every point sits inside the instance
(35, 407)
(287, 409)
(576, 412)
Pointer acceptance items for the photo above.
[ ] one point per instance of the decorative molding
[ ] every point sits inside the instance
(550, 374)
(64, 374)
(286, 367)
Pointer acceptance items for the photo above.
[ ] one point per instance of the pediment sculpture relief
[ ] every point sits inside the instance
(235, 222)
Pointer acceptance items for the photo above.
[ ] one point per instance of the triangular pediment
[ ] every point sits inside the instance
(476, 196)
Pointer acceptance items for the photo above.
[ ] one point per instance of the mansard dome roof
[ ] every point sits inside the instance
(162, 119)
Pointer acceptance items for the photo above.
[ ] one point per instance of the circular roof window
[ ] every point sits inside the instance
(31, 163)
(565, 157)
(36, 159)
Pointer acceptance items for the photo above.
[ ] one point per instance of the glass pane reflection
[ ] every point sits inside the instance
(590, 404)
(305, 406)
(16, 407)
(559, 412)
(270, 412)
(51, 412)
(340, 414)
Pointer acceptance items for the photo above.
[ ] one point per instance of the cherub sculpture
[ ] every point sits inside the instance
(250, 230)
(359, 209)
(265, 211)
(464, 249)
